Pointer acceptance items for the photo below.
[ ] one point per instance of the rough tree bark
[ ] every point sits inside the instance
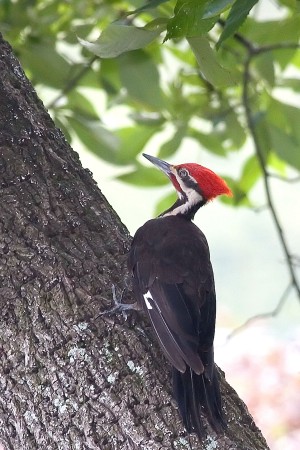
(70, 380)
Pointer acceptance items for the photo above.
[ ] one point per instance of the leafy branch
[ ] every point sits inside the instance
(131, 58)
(260, 156)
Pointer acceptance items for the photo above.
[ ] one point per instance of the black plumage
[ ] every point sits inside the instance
(171, 267)
(173, 281)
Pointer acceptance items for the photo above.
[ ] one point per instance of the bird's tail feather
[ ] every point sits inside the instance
(196, 395)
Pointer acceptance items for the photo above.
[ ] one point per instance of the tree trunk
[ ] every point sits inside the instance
(68, 378)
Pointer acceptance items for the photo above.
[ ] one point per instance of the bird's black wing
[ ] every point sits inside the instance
(173, 325)
(173, 279)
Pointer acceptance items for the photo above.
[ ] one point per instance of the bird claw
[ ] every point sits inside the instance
(119, 308)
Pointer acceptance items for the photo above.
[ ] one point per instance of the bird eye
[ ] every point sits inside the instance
(183, 173)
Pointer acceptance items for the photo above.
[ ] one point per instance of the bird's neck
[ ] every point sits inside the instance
(185, 206)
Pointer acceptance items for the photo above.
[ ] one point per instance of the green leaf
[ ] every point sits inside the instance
(211, 141)
(144, 176)
(291, 83)
(236, 17)
(214, 73)
(150, 5)
(90, 79)
(285, 146)
(110, 77)
(133, 140)
(250, 175)
(239, 197)
(264, 65)
(277, 164)
(235, 132)
(293, 4)
(263, 134)
(78, 29)
(169, 148)
(149, 119)
(95, 137)
(273, 31)
(158, 23)
(216, 7)
(139, 75)
(187, 57)
(79, 104)
(284, 58)
(286, 117)
(46, 65)
(118, 38)
(188, 19)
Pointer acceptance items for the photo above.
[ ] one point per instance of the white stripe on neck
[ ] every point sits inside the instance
(192, 199)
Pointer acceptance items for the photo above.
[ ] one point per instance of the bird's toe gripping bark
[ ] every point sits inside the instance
(119, 307)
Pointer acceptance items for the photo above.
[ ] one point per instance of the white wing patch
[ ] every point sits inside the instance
(146, 298)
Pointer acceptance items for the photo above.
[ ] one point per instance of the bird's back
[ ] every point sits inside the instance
(173, 280)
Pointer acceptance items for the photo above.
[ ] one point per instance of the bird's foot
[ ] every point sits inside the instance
(119, 307)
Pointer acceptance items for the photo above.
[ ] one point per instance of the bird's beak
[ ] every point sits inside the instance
(162, 165)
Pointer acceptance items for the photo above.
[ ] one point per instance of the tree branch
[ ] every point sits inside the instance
(286, 180)
(281, 46)
(266, 176)
(71, 84)
(256, 50)
(265, 315)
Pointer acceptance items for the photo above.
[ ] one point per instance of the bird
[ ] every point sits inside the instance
(173, 282)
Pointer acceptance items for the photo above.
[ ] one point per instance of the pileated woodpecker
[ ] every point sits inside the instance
(174, 283)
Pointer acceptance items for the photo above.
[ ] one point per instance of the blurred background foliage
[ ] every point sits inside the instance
(184, 86)
(222, 76)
